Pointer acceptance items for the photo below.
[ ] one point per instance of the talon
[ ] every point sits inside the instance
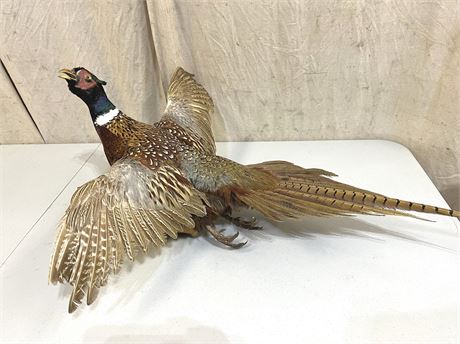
(233, 237)
(225, 239)
(239, 245)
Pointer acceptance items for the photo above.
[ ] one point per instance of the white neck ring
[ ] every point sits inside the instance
(106, 117)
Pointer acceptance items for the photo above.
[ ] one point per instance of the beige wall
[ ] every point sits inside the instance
(277, 70)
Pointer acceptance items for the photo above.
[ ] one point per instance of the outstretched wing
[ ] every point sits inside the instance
(190, 106)
(120, 213)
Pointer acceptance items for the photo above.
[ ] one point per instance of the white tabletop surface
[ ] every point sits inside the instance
(318, 280)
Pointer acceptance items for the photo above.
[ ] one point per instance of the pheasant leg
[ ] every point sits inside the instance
(250, 224)
(227, 240)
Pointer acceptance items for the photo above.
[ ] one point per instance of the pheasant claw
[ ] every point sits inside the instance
(227, 240)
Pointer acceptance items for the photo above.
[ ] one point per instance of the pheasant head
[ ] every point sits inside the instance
(88, 88)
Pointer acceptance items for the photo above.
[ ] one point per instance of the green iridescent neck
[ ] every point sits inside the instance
(99, 106)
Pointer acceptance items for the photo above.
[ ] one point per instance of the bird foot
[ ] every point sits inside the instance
(225, 239)
(250, 224)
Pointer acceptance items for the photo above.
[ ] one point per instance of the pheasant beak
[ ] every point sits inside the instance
(67, 74)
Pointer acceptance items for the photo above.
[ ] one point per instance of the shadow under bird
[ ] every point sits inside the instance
(166, 179)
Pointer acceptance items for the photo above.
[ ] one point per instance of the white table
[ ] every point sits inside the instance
(336, 280)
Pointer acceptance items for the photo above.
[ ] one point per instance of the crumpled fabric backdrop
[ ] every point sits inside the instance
(277, 70)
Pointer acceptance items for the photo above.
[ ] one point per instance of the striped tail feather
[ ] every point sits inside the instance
(303, 192)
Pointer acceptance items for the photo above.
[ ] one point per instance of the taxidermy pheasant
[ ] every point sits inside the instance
(166, 179)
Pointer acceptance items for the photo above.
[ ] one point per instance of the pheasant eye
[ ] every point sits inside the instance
(88, 78)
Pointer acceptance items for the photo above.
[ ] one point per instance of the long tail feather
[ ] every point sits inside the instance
(311, 192)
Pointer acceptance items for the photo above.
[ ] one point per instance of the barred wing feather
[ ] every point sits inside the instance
(118, 214)
(190, 106)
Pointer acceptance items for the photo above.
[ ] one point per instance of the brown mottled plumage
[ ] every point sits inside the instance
(166, 179)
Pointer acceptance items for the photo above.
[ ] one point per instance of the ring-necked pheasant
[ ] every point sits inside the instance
(166, 179)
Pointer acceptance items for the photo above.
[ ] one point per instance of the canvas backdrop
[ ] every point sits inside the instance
(277, 70)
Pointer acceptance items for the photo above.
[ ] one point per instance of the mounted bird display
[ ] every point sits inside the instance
(166, 179)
